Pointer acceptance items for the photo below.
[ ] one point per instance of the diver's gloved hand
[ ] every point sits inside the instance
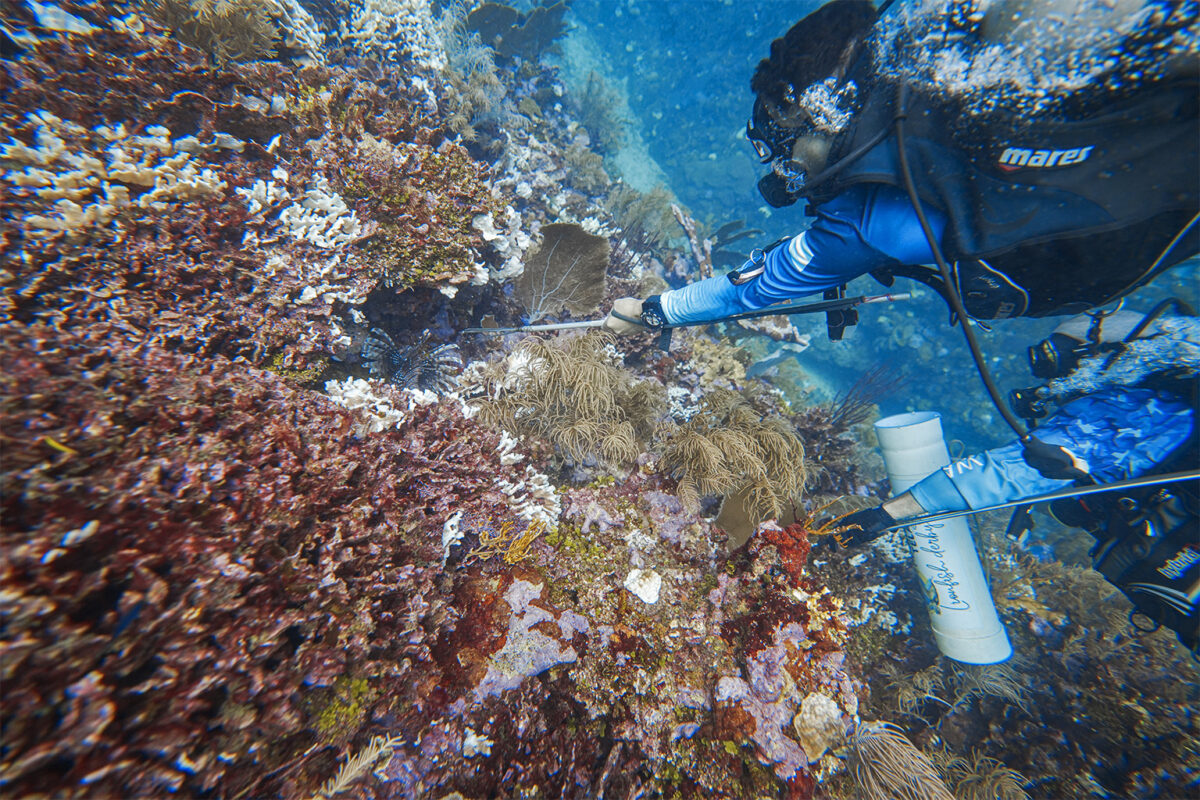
(864, 526)
(627, 307)
(630, 315)
(1054, 461)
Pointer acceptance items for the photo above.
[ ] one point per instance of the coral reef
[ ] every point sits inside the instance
(393, 30)
(235, 542)
(234, 566)
(887, 765)
(586, 168)
(257, 258)
(358, 764)
(599, 112)
(1077, 659)
(981, 778)
(728, 447)
(643, 212)
(239, 30)
(424, 200)
(831, 432)
(702, 250)
(476, 93)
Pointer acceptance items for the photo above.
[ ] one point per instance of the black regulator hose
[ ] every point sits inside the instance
(1156, 312)
(952, 295)
(1153, 314)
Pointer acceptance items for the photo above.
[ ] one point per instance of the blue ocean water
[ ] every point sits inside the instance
(683, 69)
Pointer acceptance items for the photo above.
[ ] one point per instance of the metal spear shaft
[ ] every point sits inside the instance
(808, 308)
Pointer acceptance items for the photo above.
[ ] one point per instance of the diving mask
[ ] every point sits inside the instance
(770, 139)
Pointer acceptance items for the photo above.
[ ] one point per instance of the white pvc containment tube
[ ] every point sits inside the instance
(965, 623)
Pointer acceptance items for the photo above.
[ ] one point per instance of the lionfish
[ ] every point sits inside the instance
(418, 366)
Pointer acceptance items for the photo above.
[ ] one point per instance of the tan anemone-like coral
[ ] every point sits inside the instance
(239, 30)
(572, 392)
(730, 448)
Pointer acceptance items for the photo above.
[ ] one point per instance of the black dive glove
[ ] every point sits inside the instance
(1054, 461)
(864, 526)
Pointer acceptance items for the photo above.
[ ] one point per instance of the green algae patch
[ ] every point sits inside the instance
(340, 713)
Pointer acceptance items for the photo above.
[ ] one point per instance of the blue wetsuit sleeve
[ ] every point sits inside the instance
(864, 228)
(1119, 433)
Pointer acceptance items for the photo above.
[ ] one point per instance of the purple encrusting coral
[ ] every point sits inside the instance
(768, 693)
(527, 651)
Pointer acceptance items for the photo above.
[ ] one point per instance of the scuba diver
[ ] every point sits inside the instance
(1032, 199)
(1127, 387)
(1027, 212)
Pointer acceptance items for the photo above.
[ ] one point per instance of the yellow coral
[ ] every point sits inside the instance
(297, 374)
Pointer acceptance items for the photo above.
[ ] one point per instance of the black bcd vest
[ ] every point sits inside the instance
(1073, 211)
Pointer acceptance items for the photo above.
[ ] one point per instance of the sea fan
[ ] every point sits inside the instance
(418, 366)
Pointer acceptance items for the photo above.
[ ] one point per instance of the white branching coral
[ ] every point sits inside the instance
(529, 167)
(321, 217)
(92, 177)
(533, 498)
(509, 240)
(375, 412)
(54, 18)
(508, 444)
(264, 194)
(390, 29)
